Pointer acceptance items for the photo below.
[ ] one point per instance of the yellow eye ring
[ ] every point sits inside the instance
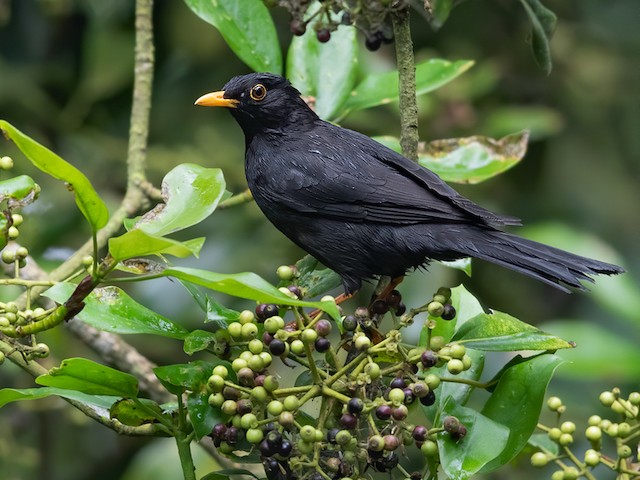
(258, 92)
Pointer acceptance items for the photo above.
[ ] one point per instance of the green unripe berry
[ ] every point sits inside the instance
(553, 403)
(436, 343)
(17, 219)
(297, 347)
(13, 233)
(362, 342)
(256, 363)
(22, 253)
(565, 439)
(235, 329)
(239, 363)
(246, 356)
(259, 394)
(343, 437)
(568, 427)
(270, 383)
(2, 357)
(607, 399)
(249, 331)
(319, 435)
(226, 448)
(291, 403)
(275, 408)
(267, 359)
(458, 351)
(539, 459)
(216, 400)
(248, 420)
(593, 433)
(594, 420)
(557, 475)
(612, 431)
(624, 429)
(618, 408)
(432, 381)
(375, 443)
(309, 336)
(220, 370)
(571, 473)
(328, 298)
(41, 350)
(591, 458)
(445, 352)
(439, 299)
(429, 448)
(286, 419)
(554, 434)
(308, 433)
(255, 346)
(246, 316)
(273, 324)
(254, 435)
(305, 447)
(6, 163)
(634, 398)
(285, 273)
(230, 407)
(8, 256)
(605, 424)
(215, 383)
(372, 370)
(455, 366)
(467, 362)
(4, 322)
(624, 451)
(11, 307)
(396, 396)
(445, 292)
(435, 309)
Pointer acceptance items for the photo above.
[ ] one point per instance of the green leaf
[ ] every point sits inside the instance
(247, 28)
(191, 193)
(88, 201)
(543, 24)
(517, 400)
(197, 341)
(463, 264)
(8, 395)
(192, 375)
(202, 416)
(468, 160)
(316, 282)
(91, 378)
(484, 441)
(137, 243)
(500, 332)
(128, 411)
(217, 313)
(18, 188)
(326, 71)
(246, 285)
(382, 88)
(225, 473)
(542, 441)
(440, 10)
(540, 121)
(110, 309)
(594, 344)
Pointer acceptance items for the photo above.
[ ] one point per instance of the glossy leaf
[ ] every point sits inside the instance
(191, 193)
(500, 332)
(228, 473)
(382, 88)
(463, 264)
(594, 344)
(541, 440)
(440, 10)
(88, 201)
(110, 309)
(517, 400)
(197, 341)
(484, 441)
(543, 24)
(247, 28)
(129, 412)
(137, 243)
(316, 282)
(192, 375)
(18, 188)
(8, 395)
(326, 71)
(245, 285)
(202, 416)
(468, 160)
(91, 378)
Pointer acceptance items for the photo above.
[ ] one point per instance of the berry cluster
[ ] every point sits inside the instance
(371, 17)
(623, 431)
(363, 382)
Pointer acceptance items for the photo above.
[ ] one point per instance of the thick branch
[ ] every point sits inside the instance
(407, 85)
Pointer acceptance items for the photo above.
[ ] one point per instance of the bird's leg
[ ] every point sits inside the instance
(390, 287)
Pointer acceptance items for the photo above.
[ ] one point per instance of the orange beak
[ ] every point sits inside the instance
(216, 99)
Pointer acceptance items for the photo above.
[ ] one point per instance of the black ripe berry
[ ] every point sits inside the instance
(401, 309)
(394, 298)
(274, 438)
(323, 35)
(383, 412)
(428, 399)
(398, 382)
(331, 435)
(348, 421)
(266, 310)
(323, 327)
(349, 323)
(219, 430)
(298, 27)
(285, 448)
(420, 433)
(355, 405)
(277, 347)
(267, 449)
(380, 307)
(372, 42)
(449, 312)
(322, 345)
(429, 359)
(409, 397)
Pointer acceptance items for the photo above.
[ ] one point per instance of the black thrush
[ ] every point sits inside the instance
(362, 209)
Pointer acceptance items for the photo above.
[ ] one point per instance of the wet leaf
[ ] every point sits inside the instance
(130, 413)
(543, 24)
(8, 395)
(137, 243)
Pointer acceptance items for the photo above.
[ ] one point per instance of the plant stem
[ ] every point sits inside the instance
(183, 441)
(406, 85)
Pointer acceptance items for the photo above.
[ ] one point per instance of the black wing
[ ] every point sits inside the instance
(368, 182)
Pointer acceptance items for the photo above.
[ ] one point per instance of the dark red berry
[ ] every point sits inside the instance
(355, 405)
(323, 327)
(244, 406)
(233, 435)
(460, 434)
(267, 338)
(451, 424)
(409, 397)
(322, 345)
(383, 412)
(429, 359)
(428, 399)
(391, 442)
(323, 35)
(259, 380)
(400, 413)
(401, 309)
(348, 421)
(277, 347)
(449, 312)
(230, 393)
(298, 27)
(219, 430)
(398, 382)
(420, 433)
(295, 290)
(379, 307)
(394, 298)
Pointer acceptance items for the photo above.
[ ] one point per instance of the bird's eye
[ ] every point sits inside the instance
(258, 92)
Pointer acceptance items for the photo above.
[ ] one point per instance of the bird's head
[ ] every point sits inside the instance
(261, 102)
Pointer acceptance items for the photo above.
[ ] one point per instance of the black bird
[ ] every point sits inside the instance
(362, 209)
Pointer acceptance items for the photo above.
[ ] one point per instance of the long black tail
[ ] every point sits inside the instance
(548, 264)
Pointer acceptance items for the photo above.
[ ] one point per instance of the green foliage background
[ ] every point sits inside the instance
(65, 79)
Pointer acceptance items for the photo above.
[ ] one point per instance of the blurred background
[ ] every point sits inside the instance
(66, 78)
